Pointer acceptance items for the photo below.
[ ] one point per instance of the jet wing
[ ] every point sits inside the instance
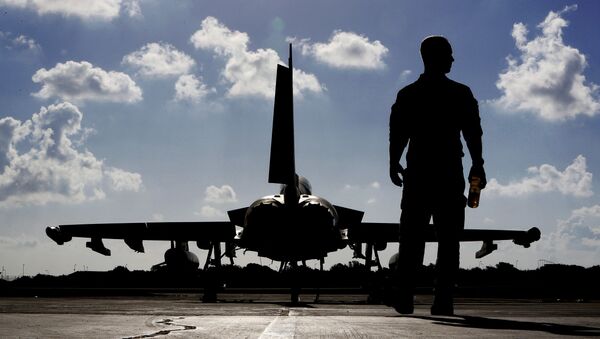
(370, 232)
(135, 233)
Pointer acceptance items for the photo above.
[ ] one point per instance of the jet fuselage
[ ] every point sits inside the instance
(305, 229)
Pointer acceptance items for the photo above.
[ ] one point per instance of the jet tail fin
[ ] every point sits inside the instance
(282, 166)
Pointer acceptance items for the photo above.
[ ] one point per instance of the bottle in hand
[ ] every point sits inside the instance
(474, 192)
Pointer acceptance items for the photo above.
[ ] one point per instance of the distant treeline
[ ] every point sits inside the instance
(552, 281)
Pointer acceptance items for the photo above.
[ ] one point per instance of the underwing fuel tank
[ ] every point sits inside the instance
(179, 259)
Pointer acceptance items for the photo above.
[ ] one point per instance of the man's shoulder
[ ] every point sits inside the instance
(424, 85)
(414, 86)
(458, 86)
(424, 82)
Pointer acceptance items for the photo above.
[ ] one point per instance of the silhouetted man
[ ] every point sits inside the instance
(429, 116)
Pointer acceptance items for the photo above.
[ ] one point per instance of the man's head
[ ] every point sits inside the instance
(437, 54)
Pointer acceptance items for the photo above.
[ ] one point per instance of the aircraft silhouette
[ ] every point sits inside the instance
(291, 226)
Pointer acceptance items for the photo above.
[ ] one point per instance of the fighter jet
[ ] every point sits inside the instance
(291, 226)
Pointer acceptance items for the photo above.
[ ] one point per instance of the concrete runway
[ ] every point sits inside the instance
(268, 316)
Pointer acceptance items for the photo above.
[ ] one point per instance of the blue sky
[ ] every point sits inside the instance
(126, 110)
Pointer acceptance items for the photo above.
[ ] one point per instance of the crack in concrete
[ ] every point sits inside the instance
(167, 322)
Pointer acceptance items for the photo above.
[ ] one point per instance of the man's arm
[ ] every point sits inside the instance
(472, 133)
(398, 141)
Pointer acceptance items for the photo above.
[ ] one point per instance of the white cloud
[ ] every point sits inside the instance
(28, 43)
(190, 88)
(345, 50)
(216, 195)
(216, 36)
(375, 185)
(20, 42)
(132, 8)
(305, 82)
(547, 79)
(220, 195)
(11, 131)
(577, 237)
(249, 73)
(39, 162)
(575, 180)
(84, 9)
(159, 60)
(593, 211)
(210, 212)
(405, 74)
(81, 81)
(121, 180)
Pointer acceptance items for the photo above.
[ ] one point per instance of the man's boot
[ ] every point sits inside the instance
(443, 304)
(404, 303)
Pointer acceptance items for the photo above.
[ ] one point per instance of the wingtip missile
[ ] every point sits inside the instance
(532, 235)
(55, 233)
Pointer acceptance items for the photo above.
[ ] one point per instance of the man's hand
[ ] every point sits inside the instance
(395, 171)
(478, 171)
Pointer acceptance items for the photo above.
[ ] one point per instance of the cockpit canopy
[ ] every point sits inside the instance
(304, 186)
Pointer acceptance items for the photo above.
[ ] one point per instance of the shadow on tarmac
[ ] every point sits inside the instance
(503, 324)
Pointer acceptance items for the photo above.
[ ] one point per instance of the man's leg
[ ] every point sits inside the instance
(449, 223)
(410, 257)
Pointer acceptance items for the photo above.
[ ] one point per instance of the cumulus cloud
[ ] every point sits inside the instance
(81, 81)
(216, 36)
(547, 79)
(210, 212)
(575, 180)
(131, 8)
(216, 195)
(190, 88)
(346, 50)
(220, 195)
(249, 73)
(103, 10)
(159, 60)
(121, 180)
(19, 42)
(580, 232)
(39, 162)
